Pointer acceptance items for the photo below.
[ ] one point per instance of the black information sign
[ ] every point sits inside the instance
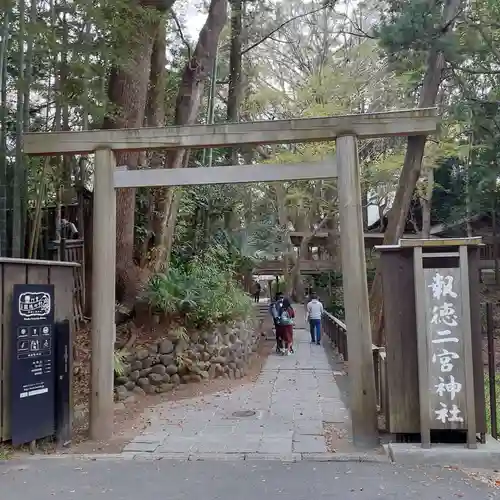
(32, 363)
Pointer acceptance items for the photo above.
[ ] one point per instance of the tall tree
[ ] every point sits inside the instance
(444, 17)
(196, 72)
(127, 93)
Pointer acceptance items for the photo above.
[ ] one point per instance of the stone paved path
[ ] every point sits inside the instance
(292, 399)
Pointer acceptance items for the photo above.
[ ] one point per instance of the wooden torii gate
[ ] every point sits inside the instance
(107, 178)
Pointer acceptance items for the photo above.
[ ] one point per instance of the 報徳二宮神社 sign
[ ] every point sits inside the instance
(445, 344)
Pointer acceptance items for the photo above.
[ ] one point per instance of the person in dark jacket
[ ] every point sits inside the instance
(274, 308)
(256, 295)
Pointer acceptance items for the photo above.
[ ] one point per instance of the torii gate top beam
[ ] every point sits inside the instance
(369, 125)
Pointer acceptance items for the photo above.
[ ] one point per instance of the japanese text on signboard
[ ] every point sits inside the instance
(445, 340)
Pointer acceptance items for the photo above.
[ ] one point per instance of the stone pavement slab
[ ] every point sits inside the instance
(226, 478)
(290, 401)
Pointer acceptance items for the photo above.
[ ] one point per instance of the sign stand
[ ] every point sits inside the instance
(444, 338)
(63, 422)
(32, 368)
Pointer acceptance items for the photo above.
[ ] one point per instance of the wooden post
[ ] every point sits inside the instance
(423, 367)
(103, 296)
(467, 333)
(357, 313)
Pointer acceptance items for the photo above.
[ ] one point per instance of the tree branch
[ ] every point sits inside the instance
(181, 34)
(325, 5)
(480, 71)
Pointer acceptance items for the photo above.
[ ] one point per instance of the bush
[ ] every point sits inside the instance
(200, 293)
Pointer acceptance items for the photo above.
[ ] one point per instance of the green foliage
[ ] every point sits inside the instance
(202, 292)
(119, 362)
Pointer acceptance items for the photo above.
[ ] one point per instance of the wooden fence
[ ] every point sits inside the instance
(73, 251)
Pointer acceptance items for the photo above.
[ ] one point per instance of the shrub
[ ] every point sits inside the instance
(200, 293)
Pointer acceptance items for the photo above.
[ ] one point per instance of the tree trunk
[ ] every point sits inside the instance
(155, 117)
(426, 203)
(234, 90)
(18, 172)
(298, 288)
(3, 139)
(127, 92)
(196, 72)
(412, 165)
(279, 189)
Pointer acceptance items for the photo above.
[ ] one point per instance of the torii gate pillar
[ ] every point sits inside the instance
(357, 312)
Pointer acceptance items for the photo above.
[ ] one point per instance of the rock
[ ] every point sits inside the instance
(136, 365)
(139, 391)
(142, 354)
(231, 374)
(147, 363)
(195, 368)
(134, 376)
(153, 349)
(195, 356)
(221, 360)
(150, 389)
(160, 369)
(143, 383)
(144, 373)
(155, 378)
(175, 379)
(122, 380)
(130, 385)
(225, 375)
(232, 338)
(130, 400)
(164, 387)
(166, 377)
(121, 393)
(172, 369)
(166, 359)
(211, 349)
(195, 377)
(119, 406)
(195, 336)
(129, 358)
(166, 347)
(205, 356)
(185, 379)
(232, 366)
(212, 371)
(204, 375)
(237, 373)
(181, 346)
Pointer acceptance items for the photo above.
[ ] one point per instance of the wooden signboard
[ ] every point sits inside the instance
(445, 347)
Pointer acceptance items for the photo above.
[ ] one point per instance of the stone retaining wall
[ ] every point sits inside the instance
(160, 367)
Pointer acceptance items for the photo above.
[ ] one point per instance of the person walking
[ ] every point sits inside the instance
(256, 295)
(313, 315)
(274, 309)
(285, 326)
